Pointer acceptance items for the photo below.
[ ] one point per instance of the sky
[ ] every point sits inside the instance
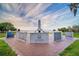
(26, 16)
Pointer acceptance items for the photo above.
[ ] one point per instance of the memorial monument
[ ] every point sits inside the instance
(69, 35)
(39, 36)
(9, 34)
(57, 36)
(21, 35)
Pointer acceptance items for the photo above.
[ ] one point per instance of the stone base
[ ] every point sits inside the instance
(39, 38)
(21, 35)
(69, 34)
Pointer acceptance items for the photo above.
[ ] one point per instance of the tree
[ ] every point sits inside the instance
(6, 27)
(73, 7)
(63, 29)
(75, 28)
(69, 28)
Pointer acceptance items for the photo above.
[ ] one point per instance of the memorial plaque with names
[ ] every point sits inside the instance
(57, 36)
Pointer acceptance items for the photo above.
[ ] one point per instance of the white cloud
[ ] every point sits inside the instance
(49, 20)
(39, 8)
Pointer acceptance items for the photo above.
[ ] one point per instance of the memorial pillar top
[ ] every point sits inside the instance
(39, 30)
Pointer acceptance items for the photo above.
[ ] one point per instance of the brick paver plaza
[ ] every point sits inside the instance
(27, 49)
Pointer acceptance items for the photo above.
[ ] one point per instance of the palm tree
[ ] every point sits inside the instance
(73, 7)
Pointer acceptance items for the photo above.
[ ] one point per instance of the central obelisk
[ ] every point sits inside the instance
(39, 27)
(39, 36)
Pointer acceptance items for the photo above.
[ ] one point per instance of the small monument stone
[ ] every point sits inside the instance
(21, 35)
(57, 36)
(10, 34)
(69, 35)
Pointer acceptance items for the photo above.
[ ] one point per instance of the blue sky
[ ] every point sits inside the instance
(25, 16)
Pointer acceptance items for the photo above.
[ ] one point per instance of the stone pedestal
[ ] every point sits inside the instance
(69, 34)
(9, 35)
(21, 35)
(39, 38)
(57, 36)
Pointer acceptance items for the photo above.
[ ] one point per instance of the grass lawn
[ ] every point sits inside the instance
(2, 35)
(72, 50)
(5, 50)
(76, 35)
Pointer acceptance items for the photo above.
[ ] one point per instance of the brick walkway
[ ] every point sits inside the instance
(27, 49)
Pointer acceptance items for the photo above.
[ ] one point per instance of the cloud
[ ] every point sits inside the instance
(39, 8)
(51, 19)
(18, 22)
(25, 16)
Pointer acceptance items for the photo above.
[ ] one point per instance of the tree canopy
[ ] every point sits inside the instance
(74, 28)
(6, 26)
